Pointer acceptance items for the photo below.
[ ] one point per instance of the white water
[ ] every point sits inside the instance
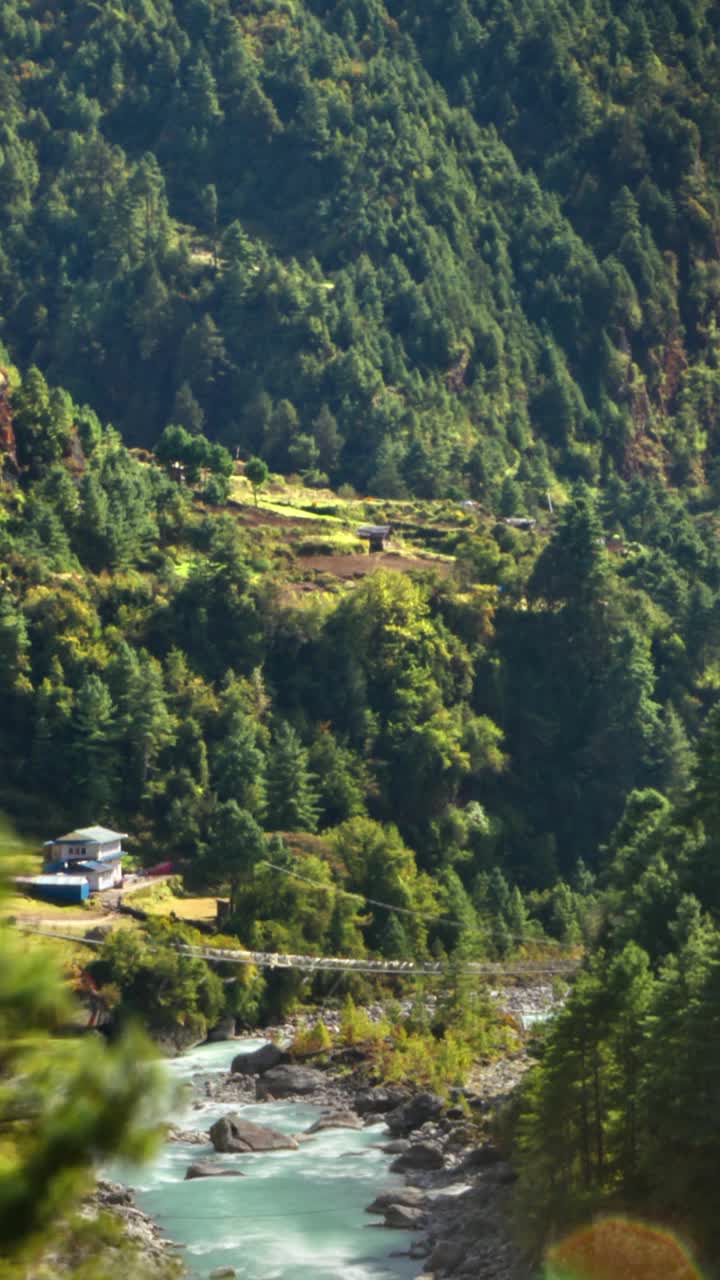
(296, 1215)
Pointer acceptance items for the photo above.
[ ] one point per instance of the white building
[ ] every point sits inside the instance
(101, 875)
(94, 843)
(94, 852)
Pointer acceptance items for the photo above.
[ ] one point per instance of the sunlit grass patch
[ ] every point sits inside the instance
(161, 900)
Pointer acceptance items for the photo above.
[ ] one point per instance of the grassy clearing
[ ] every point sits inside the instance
(163, 900)
(297, 500)
(19, 905)
(187, 908)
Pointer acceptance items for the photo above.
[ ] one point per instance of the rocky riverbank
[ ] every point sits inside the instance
(149, 1252)
(458, 1187)
(455, 1201)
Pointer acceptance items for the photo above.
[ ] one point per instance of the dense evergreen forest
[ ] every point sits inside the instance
(470, 245)
(431, 254)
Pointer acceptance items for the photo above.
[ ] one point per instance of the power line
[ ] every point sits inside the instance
(250, 1217)
(405, 911)
(347, 893)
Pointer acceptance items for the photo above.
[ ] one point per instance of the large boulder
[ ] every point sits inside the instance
(403, 1217)
(379, 1100)
(258, 1060)
(421, 1155)
(414, 1113)
(233, 1134)
(288, 1082)
(336, 1120)
(410, 1197)
(223, 1030)
(206, 1169)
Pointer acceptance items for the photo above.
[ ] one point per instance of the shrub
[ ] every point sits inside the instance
(314, 1039)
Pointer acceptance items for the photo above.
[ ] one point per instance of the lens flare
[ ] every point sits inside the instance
(619, 1249)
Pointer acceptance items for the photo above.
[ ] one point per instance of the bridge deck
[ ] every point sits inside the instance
(336, 964)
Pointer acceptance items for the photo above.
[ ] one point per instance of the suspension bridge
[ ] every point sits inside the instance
(342, 964)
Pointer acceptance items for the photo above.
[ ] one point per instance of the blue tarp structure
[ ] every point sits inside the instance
(60, 888)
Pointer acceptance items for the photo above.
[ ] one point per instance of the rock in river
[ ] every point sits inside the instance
(206, 1169)
(410, 1197)
(287, 1082)
(259, 1060)
(403, 1217)
(336, 1120)
(233, 1134)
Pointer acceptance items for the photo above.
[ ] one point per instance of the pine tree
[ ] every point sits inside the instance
(291, 787)
(394, 942)
(147, 724)
(93, 749)
(235, 845)
(238, 770)
(517, 916)
(41, 425)
(387, 480)
(573, 567)
(186, 411)
(674, 757)
(14, 647)
(93, 523)
(328, 440)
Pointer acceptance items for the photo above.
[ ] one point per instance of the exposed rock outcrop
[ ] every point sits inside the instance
(258, 1060)
(403, 1217)
(336, 1120)
(379, 1100)
(206, 1169)
(233, 1134)
(411, 1197)
(289, 1082)
(420, 1155)
(415, 1112)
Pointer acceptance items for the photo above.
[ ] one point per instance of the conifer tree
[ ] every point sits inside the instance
(238, 770)
(93, 748)
(235, 846)
(291, 787)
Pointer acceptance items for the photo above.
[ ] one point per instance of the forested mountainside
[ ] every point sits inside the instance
(507, 736)
(428, 254)
(168, 651)
(408, 246)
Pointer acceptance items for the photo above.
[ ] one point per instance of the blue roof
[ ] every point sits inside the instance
(96, 866)
(44, 881)
(89, 835)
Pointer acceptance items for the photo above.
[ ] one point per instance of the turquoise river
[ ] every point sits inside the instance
(296, 1215)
